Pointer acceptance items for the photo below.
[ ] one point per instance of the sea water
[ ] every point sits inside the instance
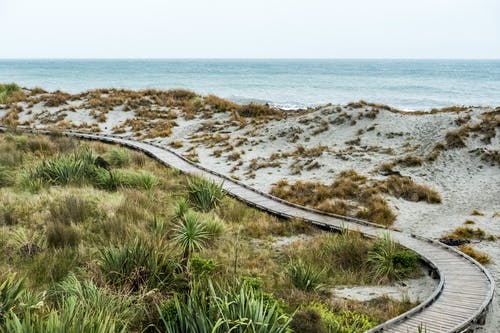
(405, 84)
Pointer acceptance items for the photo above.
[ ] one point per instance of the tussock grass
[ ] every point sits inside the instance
(6, 90)
(406, 188)
(465, 232)
(481, 257)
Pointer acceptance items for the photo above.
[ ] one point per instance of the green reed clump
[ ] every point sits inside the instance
(391, 262)
(6, 89)
(77, 307)
(305, 276)
(138, 264)
(204, 194)
(238, 309)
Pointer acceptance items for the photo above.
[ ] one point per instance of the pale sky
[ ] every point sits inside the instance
(250, 29)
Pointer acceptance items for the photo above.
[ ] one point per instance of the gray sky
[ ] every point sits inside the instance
(250, 29)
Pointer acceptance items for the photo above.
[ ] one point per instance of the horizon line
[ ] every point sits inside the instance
(238, 58)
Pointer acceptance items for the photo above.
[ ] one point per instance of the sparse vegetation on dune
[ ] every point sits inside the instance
(353, 194)
(107, 240)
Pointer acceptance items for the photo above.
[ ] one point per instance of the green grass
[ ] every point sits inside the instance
(85, 241)
(204, 194)
(6, 90)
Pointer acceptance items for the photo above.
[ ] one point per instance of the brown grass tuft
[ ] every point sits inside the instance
(481, 257)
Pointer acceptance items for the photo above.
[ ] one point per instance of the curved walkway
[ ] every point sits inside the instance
(465, 288)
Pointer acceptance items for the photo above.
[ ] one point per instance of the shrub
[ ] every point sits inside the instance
(204, 194)
(304, 276)
(343, 321)
(69, 318)
(53, 265)
(346, 251)
(254, 110)
(62, 235)
(181, 208)
(202, 267)
(138, 264)
(308, 321)
(389, 261)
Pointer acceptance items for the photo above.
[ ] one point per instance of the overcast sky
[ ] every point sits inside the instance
(249, 29)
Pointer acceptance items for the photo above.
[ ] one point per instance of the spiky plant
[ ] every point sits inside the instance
(204, 194)
(389, 260)
(190, 235)
(221, 310)
(304, 276)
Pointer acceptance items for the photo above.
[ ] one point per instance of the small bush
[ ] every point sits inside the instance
(214, 226)
(308, 321)
(204, 194)
(202, 267)
(343, 321)
(304, 276)
(254, 110)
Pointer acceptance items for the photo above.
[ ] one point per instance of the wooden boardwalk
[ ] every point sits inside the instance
(465, 288)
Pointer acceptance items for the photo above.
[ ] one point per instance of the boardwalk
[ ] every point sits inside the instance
(465, 287)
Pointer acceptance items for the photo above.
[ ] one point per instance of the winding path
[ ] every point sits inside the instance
(465, 288)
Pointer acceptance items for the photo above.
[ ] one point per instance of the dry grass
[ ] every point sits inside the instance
(176, 144)
(481, 257)
(353, 194)
(465, 232)
(406, 188)
(350, 194)
(219, 104)
(476, 212)
(456, 139)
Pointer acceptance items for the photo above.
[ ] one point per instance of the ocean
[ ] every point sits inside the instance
(405, 84)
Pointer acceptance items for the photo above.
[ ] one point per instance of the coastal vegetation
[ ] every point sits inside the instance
(98, 238)
(355, 195)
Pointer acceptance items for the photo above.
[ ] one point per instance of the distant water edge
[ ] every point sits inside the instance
(405, 84)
